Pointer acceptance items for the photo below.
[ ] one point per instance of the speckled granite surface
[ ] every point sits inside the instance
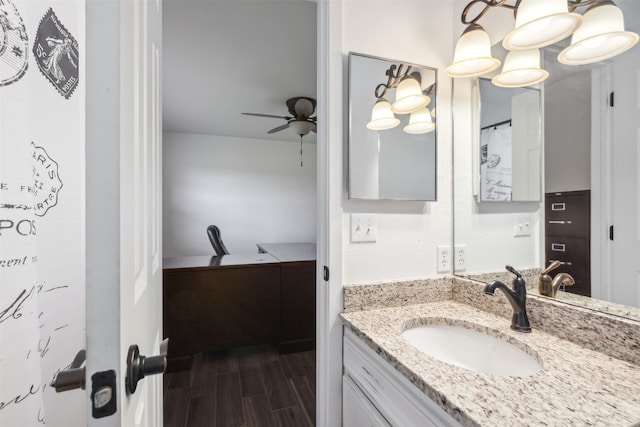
(591, 359)
(577, 387)
(380, 295)
(531, 278)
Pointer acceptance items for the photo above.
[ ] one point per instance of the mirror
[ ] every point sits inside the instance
(510, 140)
(392, 156)
(589, 148)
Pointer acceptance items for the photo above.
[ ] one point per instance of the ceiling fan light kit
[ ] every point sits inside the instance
(599, 34)
(301, 121)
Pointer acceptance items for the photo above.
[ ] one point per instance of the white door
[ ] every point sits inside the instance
(625, 187)
(124, 257)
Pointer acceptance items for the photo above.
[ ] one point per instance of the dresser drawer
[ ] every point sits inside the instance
(568, 214)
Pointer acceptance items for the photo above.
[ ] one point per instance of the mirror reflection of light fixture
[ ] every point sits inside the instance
(597, 35)
(600, 37)
(541, 23)
(382, 117)
(409, 96)
(420, 122)
(472, 56)
(521, 68)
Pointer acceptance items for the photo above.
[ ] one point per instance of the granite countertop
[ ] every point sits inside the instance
(576, 387)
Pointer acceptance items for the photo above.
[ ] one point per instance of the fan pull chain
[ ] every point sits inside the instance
(300, 150)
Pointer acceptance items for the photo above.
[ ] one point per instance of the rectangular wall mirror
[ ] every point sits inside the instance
(392, 129)
(510, 143)
(586, 215)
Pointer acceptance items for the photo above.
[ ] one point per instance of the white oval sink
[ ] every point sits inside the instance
(473, 350)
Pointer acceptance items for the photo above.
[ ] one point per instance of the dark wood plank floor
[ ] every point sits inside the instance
(250, 386)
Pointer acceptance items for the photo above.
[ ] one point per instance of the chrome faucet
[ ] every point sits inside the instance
(517, 298)
(549, 287)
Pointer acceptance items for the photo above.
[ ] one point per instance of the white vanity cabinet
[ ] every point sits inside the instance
(375, 394)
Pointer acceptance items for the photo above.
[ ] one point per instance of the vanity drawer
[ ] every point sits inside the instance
(397, 400)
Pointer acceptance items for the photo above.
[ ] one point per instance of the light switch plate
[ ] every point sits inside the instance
(522, 225)
(364, 228)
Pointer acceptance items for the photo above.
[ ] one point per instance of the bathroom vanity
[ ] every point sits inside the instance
(388, 381)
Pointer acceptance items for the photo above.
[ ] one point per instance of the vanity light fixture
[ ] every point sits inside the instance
(597, 35)
(521, 68)
(409, 98)
(541, 23)
(472, 56)
(600, 37)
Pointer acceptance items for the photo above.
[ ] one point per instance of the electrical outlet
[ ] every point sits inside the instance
(444, 259)
(522, 226)
(460, 257)
(364, 228)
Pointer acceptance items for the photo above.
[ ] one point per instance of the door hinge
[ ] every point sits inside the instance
(611, 99)
(611, 232)
(326, 273)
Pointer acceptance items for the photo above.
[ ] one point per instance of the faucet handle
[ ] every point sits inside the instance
(554, 264)
(513, 270)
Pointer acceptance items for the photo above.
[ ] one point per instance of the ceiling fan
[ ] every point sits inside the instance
(300, 121)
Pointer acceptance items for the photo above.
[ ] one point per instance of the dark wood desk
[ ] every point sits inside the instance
(297, 293)
(220, 302)
(236, 300)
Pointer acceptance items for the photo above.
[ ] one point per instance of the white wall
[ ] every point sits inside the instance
(254, 190)
(567, 148)
(408, 232)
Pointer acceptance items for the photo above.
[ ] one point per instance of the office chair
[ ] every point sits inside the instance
(216, 241)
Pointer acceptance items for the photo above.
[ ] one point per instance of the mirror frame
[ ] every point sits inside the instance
(362, 94)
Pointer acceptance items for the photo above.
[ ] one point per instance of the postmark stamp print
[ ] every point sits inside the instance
(14, 44)
(56, 53)
(46, 180)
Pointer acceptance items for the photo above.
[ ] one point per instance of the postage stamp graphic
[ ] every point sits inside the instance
(56, 53)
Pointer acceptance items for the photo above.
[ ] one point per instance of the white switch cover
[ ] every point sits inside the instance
(522, 225)
(364, 228)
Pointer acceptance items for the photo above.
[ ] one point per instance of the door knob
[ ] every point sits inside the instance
(139, 366)
(72, 377)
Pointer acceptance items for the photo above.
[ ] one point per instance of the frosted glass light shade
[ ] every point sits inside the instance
(382, 117)
(301, 127)
(600, 37)
(472, 56)
(409, 97)
(541, 23)
(521, 68)
(420, 122)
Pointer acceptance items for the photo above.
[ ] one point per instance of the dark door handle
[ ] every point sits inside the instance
(72, 377)
(139, 366)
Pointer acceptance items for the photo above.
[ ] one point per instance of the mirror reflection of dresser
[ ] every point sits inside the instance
(567, 236)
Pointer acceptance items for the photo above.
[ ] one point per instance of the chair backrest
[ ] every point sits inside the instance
(216, 241)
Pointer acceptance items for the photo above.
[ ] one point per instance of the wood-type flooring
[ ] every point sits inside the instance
(249, 386)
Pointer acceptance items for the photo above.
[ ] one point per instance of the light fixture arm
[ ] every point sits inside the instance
(393, 78)
(572, 4)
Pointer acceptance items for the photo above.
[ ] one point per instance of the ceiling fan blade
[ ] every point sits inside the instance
(279, 128)
(268, 115)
